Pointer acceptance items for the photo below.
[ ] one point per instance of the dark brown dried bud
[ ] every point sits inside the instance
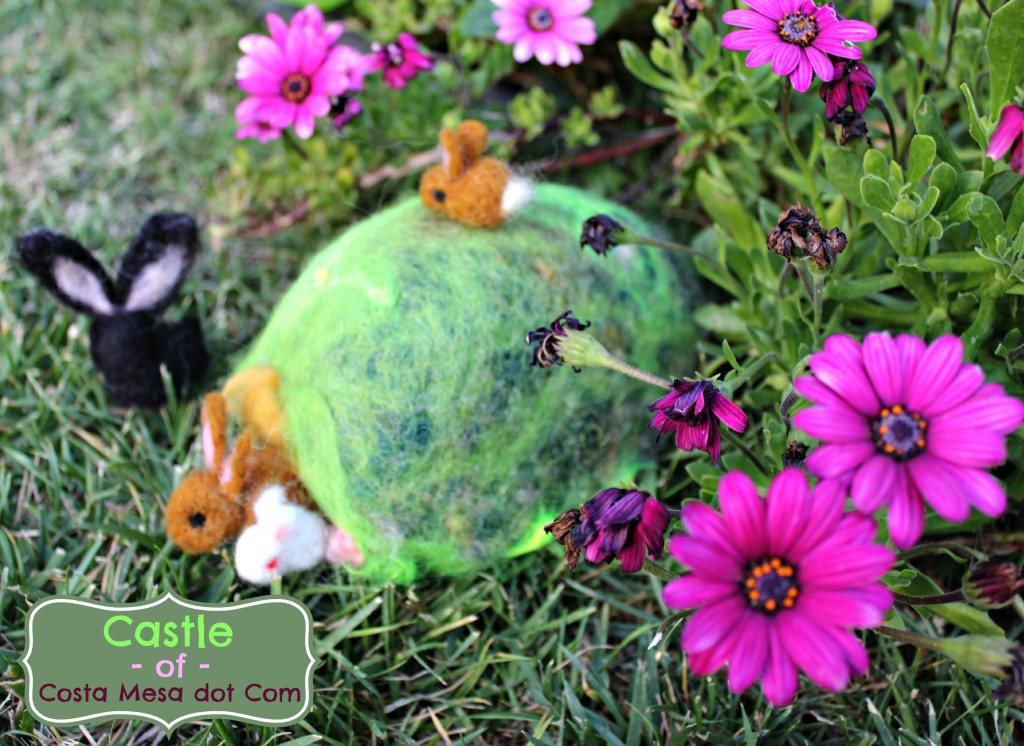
(600, 234)
(799, 235)
(546, 338)
(562, 530)
(795, 453)
(853, 125)
(993, 584)
(684, 12)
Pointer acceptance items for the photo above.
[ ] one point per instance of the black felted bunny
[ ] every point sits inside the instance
(129, 342)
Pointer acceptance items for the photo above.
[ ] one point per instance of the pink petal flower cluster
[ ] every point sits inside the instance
(796, 36)
(852, 85)
(401, 62)
(903, 423)
(1009, 135)
(778, 584)
(293, 74)
(550, 30)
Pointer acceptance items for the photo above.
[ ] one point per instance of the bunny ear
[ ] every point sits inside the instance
(157, 262)
(68, 271)
(472, 137)
(214, 420)
(451, 154)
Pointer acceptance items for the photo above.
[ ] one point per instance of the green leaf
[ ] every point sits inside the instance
(1015, 218)
(929, 122)
(725, 208)
(876, 164)
(1005, 46)
(640, 66)
(876, 193)
(844, 170)
(957, 212)
(951, 261)
(968, 618)
(931, 197)
(987, 218)
(975, 128)
(943, 176)
(922, 153)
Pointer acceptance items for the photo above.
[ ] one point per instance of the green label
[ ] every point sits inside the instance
(170, 661)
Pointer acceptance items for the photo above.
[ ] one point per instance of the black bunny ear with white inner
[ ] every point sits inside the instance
(157, 262)
(68, 271)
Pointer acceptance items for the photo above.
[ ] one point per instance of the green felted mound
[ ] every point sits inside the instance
(411, 409)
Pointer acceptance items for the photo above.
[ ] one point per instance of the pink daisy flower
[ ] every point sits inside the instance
(401, 62)
(693, 410)
(293, 74)
(778, 584)
(903, 424)
(550, 30)
(1009, 133)
(796, 36)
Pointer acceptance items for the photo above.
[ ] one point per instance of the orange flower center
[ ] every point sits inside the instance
(770, 586)
(296, 88)
(540, 19)
(899, 433)
(798, 28)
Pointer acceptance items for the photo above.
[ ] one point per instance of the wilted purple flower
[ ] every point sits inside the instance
(621, 523)
(401, 61)
(902, 424)
(343, 110)
(851, 85)
(693, 410)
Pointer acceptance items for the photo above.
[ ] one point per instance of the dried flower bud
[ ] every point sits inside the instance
(562, 530)
(684, 12)
(548, 338)
(799, 235)
(600, 233)
(795, 453)
(993, 584)
(853, 125)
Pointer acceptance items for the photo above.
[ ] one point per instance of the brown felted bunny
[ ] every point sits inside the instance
(253, 490)
(475, 191)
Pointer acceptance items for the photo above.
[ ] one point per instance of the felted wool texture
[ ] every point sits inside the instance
(411, 410)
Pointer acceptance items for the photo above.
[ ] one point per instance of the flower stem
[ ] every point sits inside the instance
(754, 459)
(879, 103)
(941, 598)
(629, 236)
(923, 550)
(291, 142)
(952, 35)
(653, 568)
(610, 361)
(921, 641)
(791, 143)
(1018, 606)
(818, 297)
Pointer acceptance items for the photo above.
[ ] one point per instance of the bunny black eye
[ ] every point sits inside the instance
(197, 520)
(439, 195)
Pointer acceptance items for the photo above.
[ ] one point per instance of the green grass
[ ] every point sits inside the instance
(110, 115)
